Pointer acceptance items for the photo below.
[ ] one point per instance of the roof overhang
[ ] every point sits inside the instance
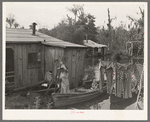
(22, 42)
(63, 44)
(92, 44)
(17, 36)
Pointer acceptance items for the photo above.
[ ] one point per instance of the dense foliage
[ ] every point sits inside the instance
(75, 29)
(82, 27)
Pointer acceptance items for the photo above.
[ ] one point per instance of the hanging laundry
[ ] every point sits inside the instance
(134, 82)
(123, 80)
(130, 87)
(126, 85)
(119, 83)
(111, 78)
(101, 82)
(109, 75)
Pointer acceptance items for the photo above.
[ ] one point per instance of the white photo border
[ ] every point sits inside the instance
(83, 114)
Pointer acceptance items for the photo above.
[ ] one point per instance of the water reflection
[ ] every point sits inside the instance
(94, 104)
(105, 104)
(97, 106)
(103, 101)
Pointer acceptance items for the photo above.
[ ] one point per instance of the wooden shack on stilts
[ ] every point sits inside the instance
(30, 54)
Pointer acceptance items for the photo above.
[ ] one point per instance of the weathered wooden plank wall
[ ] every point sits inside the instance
(24, 59)
(74, 60)
(16, 64)
(49, 58)
(79, 66)
(20, 65)
(41, 70)
(77, 70)
(52, 57)
(35, 74)
(24, 75)
(82, 60)
(68, 63)
(74, 67)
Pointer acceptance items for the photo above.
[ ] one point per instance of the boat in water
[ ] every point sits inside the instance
(111, 71)
(77, 96)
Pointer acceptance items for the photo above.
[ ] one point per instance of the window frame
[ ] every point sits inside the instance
(34, 66)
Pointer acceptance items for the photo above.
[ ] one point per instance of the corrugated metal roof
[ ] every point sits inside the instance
(92, 44)
(25, 36)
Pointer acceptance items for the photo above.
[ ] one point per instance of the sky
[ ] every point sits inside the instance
(49, 14)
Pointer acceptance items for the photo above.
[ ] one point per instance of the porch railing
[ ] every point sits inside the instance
(10, 74)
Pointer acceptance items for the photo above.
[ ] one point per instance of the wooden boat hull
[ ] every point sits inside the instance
(61, 100)
(115, 99)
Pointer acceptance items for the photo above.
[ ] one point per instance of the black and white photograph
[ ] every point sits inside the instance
(75, 60)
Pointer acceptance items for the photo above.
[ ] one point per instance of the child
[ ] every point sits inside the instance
(64, 82)
(62, 66)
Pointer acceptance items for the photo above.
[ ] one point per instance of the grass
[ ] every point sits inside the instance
(34, 101)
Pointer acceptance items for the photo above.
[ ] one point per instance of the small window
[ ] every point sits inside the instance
(34, 60)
